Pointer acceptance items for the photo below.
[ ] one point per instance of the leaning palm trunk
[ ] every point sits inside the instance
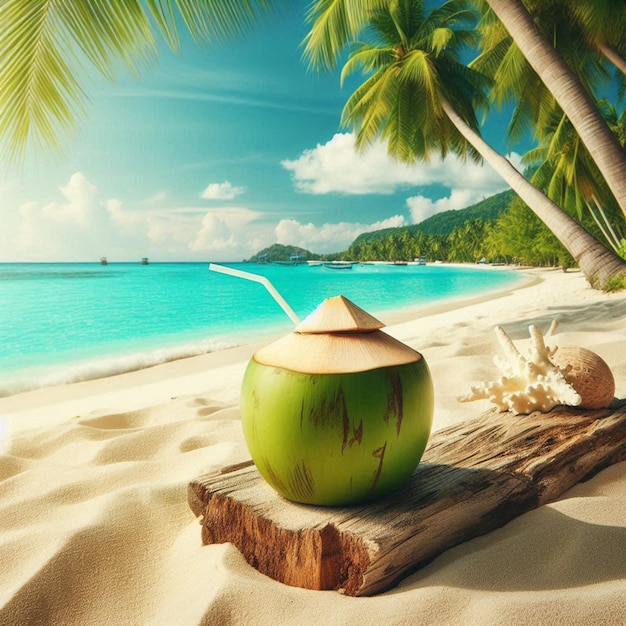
(613, 56)
(573, 99)
(596, 262)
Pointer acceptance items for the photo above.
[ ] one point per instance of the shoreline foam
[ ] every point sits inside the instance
(63, 365)
(64, 391)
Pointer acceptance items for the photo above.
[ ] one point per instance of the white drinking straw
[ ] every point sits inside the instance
(258, 279)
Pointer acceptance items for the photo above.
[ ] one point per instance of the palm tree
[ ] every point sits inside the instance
(597, 27)
(568, 175)
(603, 23)
(44, 45)
(577, 103)
(41, 92)
(420, 98)
(565, 170)
(515, 80)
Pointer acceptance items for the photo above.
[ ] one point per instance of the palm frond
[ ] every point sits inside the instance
(410, 57)
(40, 92)
(441, 39)
(470, 88)
(615, 120)
(214, 20)
(454, 12)
(369, 107)
(334, 24)
(602, 20)
(511, 76)
(488, 61)
(418, 67)
(46, 45)
(534, 156)
(366, 59)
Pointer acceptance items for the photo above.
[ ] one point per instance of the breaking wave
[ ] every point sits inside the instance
(100, 367)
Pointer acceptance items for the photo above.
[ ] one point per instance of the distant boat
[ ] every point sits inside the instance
(399, 263)
(421, 260)
(103, 261)
(339, 265)
(294, 259)
(144, 260)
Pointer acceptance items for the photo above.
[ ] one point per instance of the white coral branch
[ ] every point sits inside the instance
(528, 384)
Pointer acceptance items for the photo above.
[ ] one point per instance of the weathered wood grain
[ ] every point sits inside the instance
(473, 478)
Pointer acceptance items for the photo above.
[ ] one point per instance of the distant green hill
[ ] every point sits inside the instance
(444, 223)
(488, 209)
(394, 243)
(278, 252)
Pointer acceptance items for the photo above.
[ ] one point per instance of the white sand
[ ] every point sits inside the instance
(95, 527)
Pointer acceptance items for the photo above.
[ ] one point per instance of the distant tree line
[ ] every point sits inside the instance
(499, 229)
(506, 231)
(517, 236)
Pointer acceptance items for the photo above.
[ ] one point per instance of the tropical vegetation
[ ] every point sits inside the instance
(419, 97)
(517, 237)
(560, 40)
(498, 229)
(552, 58)
(45, 44)
(487, 209)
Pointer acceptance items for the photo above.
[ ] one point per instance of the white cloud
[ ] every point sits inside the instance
(328, 237)
(336, 167)
(421, 207)
(69, 229)
(157, 198)
(226, 230)
(481, 183)
(80, 205)
(221, 191)
(80, 224)
(83, 226)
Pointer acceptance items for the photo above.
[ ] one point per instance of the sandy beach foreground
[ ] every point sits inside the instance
(95, 526)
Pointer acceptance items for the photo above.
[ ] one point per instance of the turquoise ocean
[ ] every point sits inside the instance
(65, 322)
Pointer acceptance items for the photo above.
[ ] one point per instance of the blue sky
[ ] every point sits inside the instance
(214, 153)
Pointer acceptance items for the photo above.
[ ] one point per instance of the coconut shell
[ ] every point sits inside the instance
(590, 375)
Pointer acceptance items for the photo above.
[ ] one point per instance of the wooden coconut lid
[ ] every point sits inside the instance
(338, 337)
(338, 315)
(336, 353)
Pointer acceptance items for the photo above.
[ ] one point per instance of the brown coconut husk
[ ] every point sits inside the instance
(588, 373)
(338, 337)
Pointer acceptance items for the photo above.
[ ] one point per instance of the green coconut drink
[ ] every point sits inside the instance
(337, 412)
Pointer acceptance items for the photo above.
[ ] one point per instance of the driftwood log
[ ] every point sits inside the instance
(474, 477)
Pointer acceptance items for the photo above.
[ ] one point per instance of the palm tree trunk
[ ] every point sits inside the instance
(568, 92)
(596, 262)
(613, 56)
